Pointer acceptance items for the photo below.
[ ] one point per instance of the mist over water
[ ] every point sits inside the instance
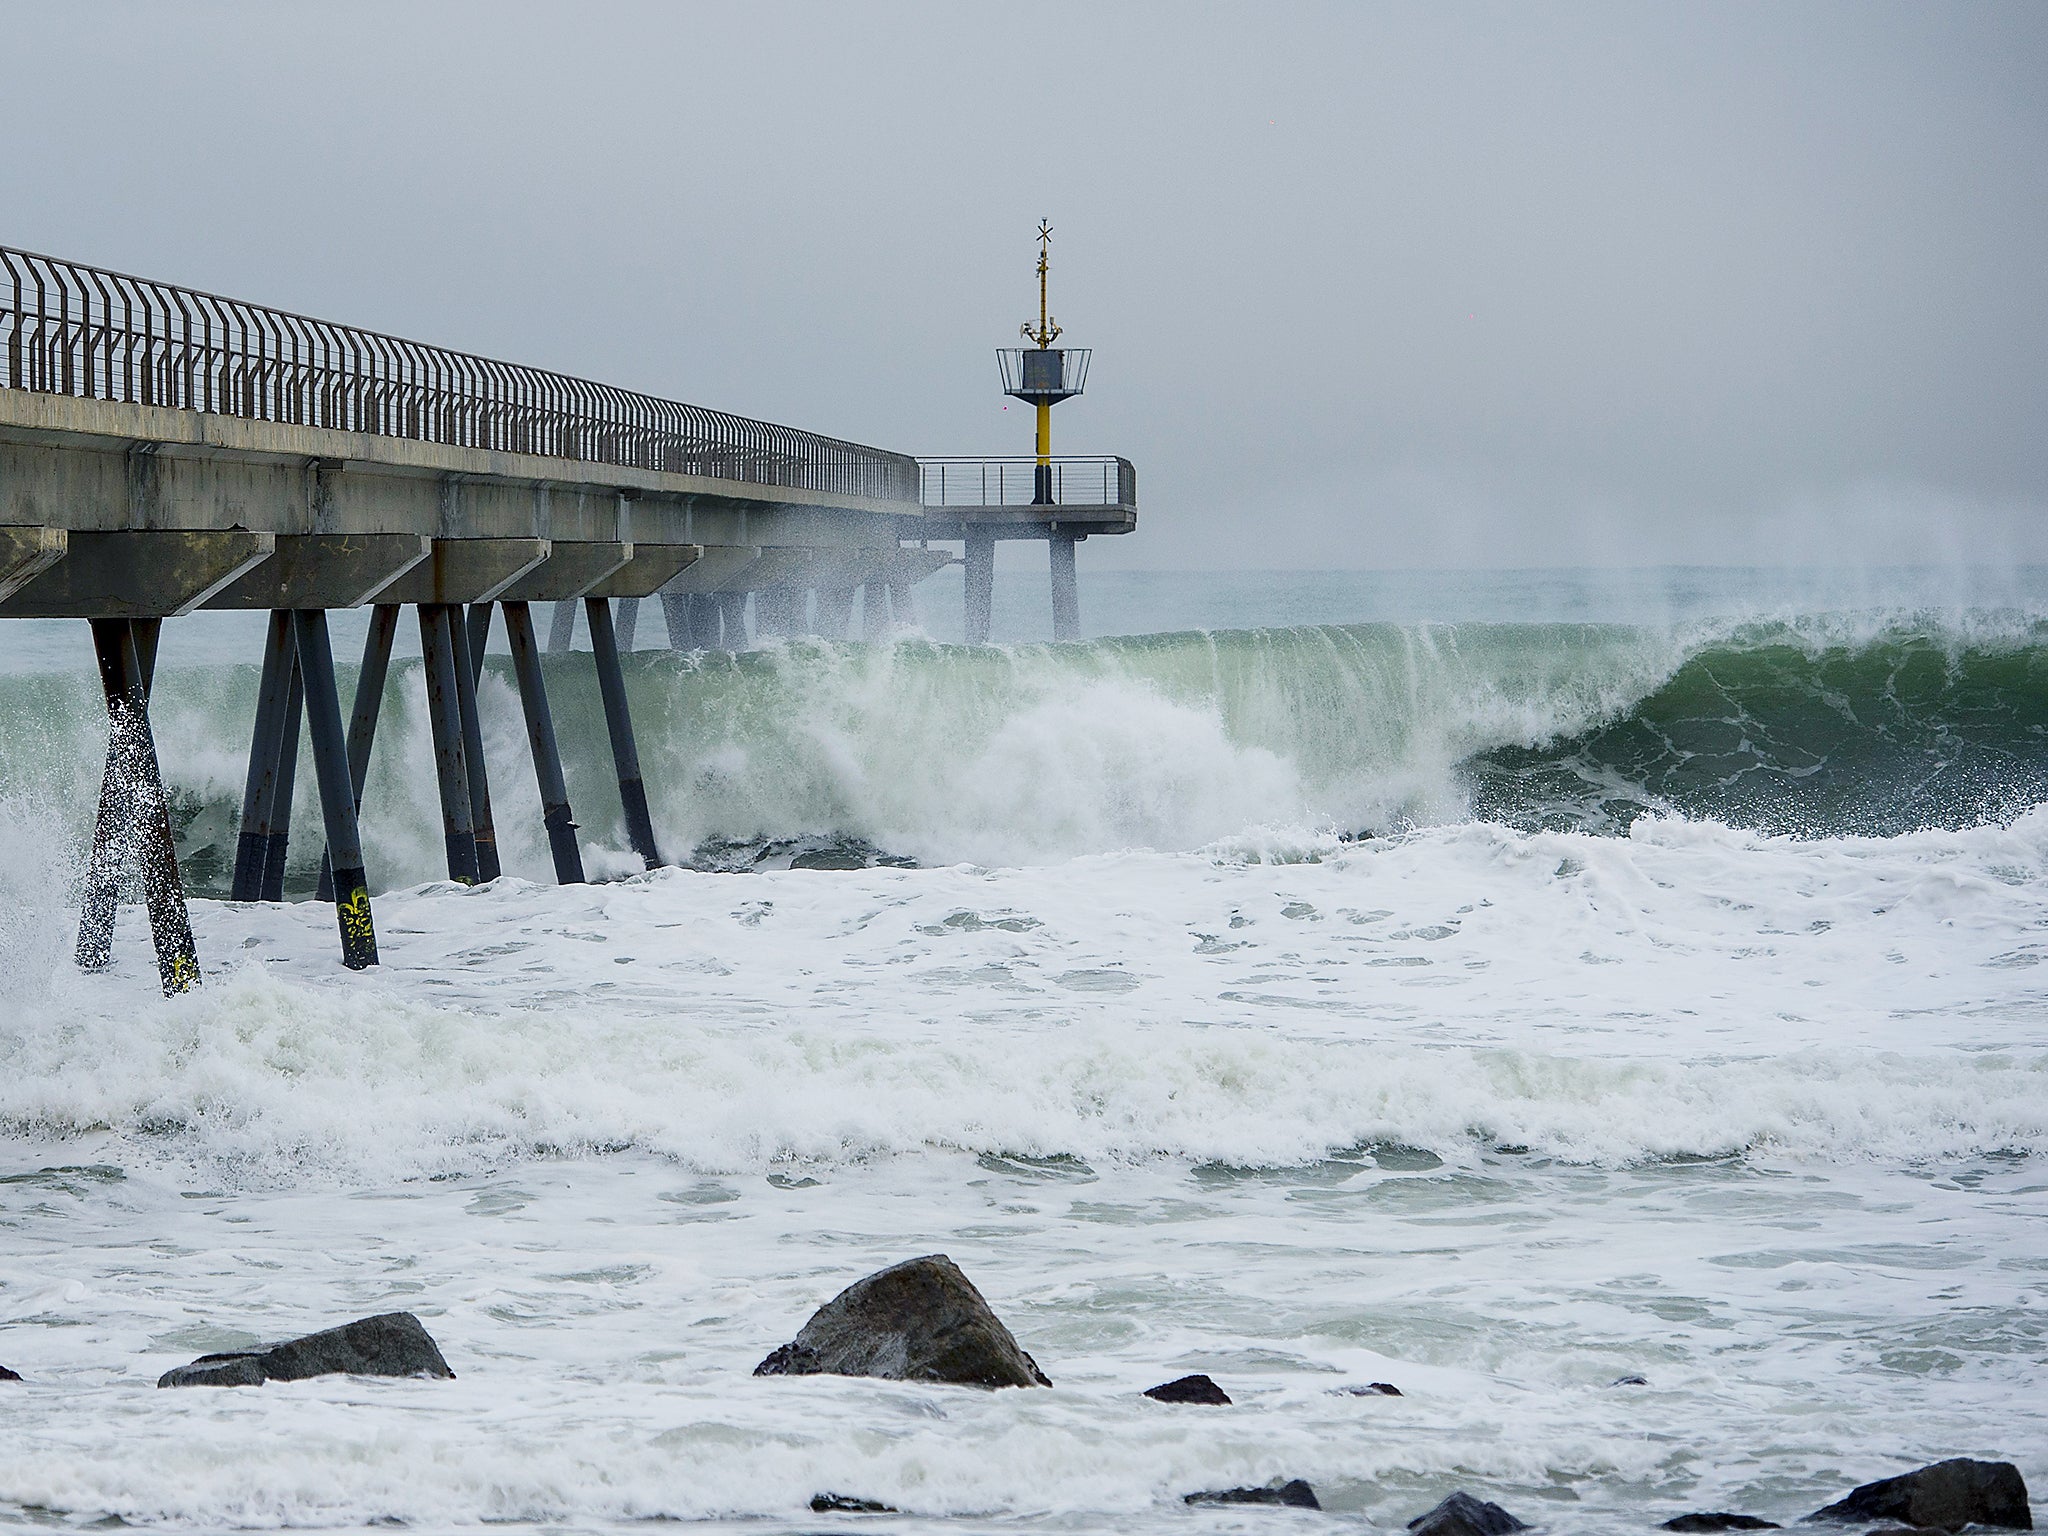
(1494, 986)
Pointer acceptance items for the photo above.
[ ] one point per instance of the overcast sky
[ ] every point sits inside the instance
(1368, 284)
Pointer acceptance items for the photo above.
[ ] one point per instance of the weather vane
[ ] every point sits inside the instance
(1048, 330)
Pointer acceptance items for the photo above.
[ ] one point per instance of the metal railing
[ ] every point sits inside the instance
(71, 329)
(1091, 482)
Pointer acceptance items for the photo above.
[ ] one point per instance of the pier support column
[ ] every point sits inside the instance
(337, 789)
(479, 628)
(112, 830)
(628, 626)
(679, 614)
(902, 606)
(278, 814)
(540, 736)
(1066, 588)
(362, 721)
(562, 627)
(732, 620)
(481, 826)
(444, 712)
(779, 610)
(133, 814)
(618, 722)
(252, 848)
(981, 583)
(835, 611)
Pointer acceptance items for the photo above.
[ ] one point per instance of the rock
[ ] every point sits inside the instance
(1946, 1496)
(394, 1344)
(1189, 1389)
(1630, 1381)
(1294, 1493)
(1371, 1389)
(842, 1504)
(1719, 1520)
(216, 1371)
(921, 1320)
(1463, 1515)
(7, 1375)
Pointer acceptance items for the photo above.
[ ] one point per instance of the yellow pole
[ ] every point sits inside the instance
(1045, 432)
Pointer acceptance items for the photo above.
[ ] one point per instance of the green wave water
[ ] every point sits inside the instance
(1825, 726)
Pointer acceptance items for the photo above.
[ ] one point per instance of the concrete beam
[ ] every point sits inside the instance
(325, 570)
(784, 566)
(137, 575)
(907, 567)
(25, 553)
(570, 570)
(718, 569)
(466, 571)
(651, 567)
(1022, 522)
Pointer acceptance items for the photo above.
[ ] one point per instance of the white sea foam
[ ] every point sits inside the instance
(1185, 1081)
(1690, 990)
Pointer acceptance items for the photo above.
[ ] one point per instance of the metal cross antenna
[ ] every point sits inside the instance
(1047, 332)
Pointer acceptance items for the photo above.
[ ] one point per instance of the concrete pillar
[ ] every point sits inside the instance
(628, 621)
(779, 611)
(444, 715)
(259, 794)
(337, 789)
(835, 611)
(981, 583)
(678, 612)
(483, 827)
(362, 724)
(134, 814)
(618, 720)
(540, 736)
(1066, 590)
(874, 611)
(902, 606)
(732, 620)
(562, 627)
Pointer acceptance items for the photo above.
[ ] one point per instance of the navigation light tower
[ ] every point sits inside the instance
(1042, 373)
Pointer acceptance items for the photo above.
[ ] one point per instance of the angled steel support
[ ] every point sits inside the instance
(467, 669)
(337, 791)
(362, 721)
(444, 712)
(252, 847)
(540, 736)
(140, 821)
(618, 720)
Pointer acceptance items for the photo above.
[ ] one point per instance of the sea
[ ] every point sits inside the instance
(1609, 1006)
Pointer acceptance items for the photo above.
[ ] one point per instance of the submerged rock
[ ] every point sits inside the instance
(1630, 1381)
(1946, 1496)
(921, 1320)
(1189, 1389)
(844, 1504)
(1295, 1493)
(1719, 1520)
(7, 1375)
(1463, 1515)
(393, 1344)
(1370, 1389)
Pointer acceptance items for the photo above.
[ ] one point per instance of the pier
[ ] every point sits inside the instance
(165, 450)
